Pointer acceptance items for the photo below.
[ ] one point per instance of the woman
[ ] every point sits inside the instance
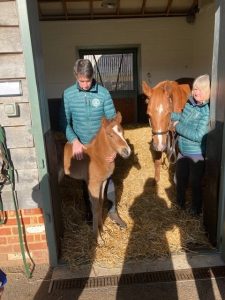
(192, 128)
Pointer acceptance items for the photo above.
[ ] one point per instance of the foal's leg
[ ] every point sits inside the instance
(101, 201)
(94, 189)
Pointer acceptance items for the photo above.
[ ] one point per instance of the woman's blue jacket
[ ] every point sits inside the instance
(192, 127)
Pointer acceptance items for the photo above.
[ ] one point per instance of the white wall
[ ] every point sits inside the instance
(169, 47)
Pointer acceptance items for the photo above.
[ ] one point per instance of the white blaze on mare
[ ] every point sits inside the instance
(160, 110)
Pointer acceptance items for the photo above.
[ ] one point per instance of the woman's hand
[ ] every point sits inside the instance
(78, 149)
(172, 125)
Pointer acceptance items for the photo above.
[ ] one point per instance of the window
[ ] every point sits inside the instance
(115, 71)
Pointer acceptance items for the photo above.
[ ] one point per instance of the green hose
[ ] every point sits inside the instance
(8, 167)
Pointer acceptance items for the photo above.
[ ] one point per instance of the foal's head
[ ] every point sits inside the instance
(159, 107)
(115, 135)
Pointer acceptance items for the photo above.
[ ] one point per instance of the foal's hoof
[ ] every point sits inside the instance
(116, 218)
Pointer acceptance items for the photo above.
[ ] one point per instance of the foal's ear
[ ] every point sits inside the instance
(118, 117)
(105, 122)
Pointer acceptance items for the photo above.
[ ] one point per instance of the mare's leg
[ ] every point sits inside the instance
(111, 196)
(182, 175)
(157, 163)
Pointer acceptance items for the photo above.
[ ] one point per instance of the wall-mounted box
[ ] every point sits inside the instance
(11, 109)
(10, 88)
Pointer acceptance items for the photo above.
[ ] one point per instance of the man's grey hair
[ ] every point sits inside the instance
(83, 67)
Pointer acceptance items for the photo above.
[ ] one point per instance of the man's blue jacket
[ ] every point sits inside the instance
(82, 111)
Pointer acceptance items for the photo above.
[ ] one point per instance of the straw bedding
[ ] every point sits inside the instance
(155, 226)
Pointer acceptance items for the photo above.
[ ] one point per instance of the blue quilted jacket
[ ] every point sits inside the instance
(192, 128)
(83, 111)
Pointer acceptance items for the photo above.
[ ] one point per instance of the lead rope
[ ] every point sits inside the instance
(171, 147)
(8, 175)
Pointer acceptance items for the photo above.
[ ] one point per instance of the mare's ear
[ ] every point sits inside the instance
(180, 94)
(146, 89)
(118, 117)
(186, 89)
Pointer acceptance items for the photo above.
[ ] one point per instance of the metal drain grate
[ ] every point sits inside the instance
(126, 279)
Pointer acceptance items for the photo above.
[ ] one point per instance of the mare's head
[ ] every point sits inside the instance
(162, 100)
(115, 135)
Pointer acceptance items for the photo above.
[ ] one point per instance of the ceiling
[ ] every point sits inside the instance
(51, 10)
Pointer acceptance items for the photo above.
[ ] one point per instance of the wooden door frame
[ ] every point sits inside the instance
(27, 13)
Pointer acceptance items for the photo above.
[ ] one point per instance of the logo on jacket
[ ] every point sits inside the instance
(95, 102)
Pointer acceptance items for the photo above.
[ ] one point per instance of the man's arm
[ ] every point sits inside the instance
(70, 134)
(109, 108)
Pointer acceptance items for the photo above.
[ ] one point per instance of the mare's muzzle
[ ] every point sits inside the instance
(160, 143)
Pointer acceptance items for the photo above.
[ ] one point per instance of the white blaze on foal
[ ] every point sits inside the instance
(120, 134)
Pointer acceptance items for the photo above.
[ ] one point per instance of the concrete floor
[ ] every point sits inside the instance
(36, 288)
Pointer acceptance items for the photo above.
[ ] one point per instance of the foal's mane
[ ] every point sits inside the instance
(105, 123)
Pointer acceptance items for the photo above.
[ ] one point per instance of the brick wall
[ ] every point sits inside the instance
(34, 238)
(20, 143)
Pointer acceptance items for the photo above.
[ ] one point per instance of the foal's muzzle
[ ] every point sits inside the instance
(125, 152)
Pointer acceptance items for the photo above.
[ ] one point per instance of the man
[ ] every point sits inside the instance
(84, 105)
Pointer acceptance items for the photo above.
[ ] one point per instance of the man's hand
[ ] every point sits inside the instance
(78, 149)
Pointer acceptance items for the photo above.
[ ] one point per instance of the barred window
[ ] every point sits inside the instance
(114, 71)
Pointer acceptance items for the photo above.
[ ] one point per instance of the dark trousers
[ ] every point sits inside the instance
(110, 193)
(189, 172)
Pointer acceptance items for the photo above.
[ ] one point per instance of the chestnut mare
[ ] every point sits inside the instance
(94, 169)
(163, 99)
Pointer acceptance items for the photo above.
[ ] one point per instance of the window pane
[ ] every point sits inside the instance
(113, 71)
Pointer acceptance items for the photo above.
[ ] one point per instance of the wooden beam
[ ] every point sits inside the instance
(118, 7)
(46, 1)
(195, 3)
(111, 16)
(65, 9)
(143, 7)
(91, 8)
(169, 6)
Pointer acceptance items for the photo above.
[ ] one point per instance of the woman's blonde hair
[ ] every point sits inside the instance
(203, 83)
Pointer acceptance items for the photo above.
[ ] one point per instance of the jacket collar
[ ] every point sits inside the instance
(194, 103)
(93, 89)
